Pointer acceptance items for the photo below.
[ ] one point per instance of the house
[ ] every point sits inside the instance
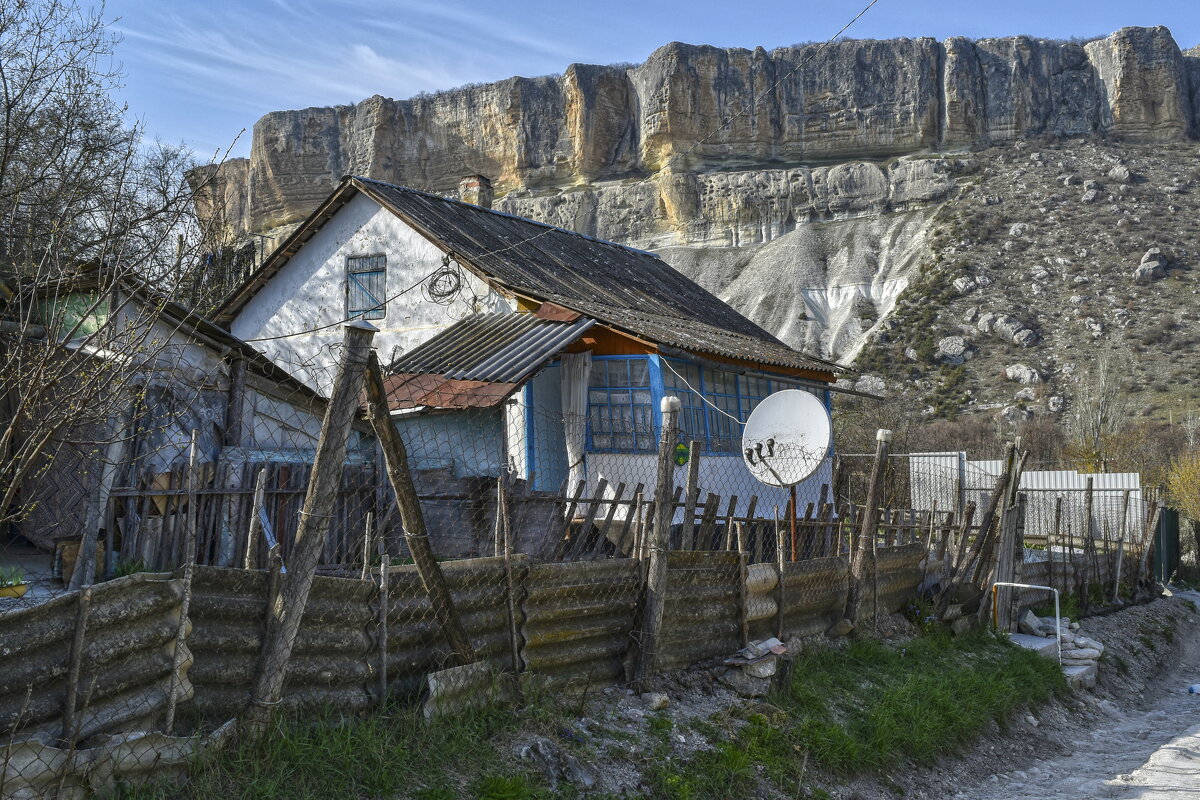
(168, 372)
(514, 346)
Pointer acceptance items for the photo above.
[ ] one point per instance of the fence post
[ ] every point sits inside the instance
(67, 734)
(395, 458)
(664, 508)
(1089, 550)
(385, 564)
(870, 521)
(780, 558)
(316, 516)
(256, 510)
(189, 569)
(691, 496)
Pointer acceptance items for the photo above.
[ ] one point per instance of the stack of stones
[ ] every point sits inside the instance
(1077, 649)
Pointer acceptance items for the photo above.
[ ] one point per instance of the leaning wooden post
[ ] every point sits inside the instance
(691, 496)
(189, 569)
(870, 521)
(385, 568)
(283, 623)
(1121, 546)
(256, 509)
(660, 535)
(74, 664)
(395, 459)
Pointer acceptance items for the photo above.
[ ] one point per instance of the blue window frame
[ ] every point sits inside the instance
(366, 286)
(620, 405)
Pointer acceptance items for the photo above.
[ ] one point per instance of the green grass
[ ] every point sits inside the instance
(863, 708)
(867, 708)
(391, 754)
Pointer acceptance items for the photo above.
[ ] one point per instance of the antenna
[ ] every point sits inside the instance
(786, 438)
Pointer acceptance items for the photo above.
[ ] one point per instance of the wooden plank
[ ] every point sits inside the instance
(565, 538)
(729, 533)
(708, 522)
(604, 535)
(691, 496)
(579, 543)
(624, 543)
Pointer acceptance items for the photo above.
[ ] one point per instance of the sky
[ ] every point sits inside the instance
(202, 71)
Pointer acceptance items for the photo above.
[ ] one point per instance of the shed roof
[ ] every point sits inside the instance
(622, 287)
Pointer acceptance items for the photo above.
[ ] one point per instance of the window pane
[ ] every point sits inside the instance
(598, 376)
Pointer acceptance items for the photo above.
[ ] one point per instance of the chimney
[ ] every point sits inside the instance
(476, 189)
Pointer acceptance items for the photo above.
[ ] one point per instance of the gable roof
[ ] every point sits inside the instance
(622, 287)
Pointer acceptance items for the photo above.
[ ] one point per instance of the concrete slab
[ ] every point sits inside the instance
(1081, 677)
(1039, 645)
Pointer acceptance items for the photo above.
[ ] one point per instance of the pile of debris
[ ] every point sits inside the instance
(1080, 654)
(750, 671)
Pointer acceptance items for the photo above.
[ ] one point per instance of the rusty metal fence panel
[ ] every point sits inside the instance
(579, 619)
(124, 667)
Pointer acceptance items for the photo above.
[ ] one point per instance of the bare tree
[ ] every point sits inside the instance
(1101, 409)
(97, 236)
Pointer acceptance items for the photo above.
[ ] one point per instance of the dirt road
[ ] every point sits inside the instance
(1147, 751)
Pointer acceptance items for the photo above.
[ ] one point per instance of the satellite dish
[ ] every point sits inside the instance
(786, 438)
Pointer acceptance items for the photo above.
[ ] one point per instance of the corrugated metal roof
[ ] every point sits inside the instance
(497, 348)
(626, 288)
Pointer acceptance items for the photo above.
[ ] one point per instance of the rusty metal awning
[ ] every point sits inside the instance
(478, 361)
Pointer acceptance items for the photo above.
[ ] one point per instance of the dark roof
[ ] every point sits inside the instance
(628, 289)
(503, 348)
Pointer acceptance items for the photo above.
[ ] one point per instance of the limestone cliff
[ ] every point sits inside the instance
(793, 105)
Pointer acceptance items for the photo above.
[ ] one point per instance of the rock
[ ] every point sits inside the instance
(987, 322)
(1056, 403)
(763, 668)
(1006, 326)
(1028, 394)
(1145, 273)
(1019, 229)
(841, 628)
(871, 384)
(1121, 174)
(1031, 719)
(656, 701)
(1022, 374)
(961, 625)
(1154, 256)
(1070, 180)
(745, 685)
(1039, 274)
(964, 284)
(1014, 415)
(1029, 623)
(911, 354)
(1090, 196)
(953, 351)
(1026, 337)
(556, 765)
(1074, 626)
(1093, 186)
(1083, 653)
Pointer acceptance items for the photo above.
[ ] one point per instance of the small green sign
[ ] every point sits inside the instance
(682, 454)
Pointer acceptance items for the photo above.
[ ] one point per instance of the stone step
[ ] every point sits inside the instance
(1081, 677)
(1039, 645)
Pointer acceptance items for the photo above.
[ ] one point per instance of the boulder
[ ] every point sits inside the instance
(1026, 337)
(964, 284)
(1090, 196)
(1121, 174)
(1022, 374)
(1146, 273)
(1154, 256)
(953, 351)
(1029, 623)
(1056, 403)
(1026, 395)
(1019, 229)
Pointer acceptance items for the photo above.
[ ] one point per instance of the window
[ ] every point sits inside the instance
(366, 287)
(620, 406)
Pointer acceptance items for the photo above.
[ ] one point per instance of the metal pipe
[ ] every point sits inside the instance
(1057, 617)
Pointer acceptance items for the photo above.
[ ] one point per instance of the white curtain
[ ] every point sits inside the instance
(576, 369)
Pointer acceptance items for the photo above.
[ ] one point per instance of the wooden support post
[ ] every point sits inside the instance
(578, 545)
(729, 534)
(257, 507)
(1122, 530)
(870, 521)
(412, 519)
(189, 569)
(368, 536)
(314, 524)
(510, 582)
(656, 577)
(385, 568)
(708, 523)
(691, 497)
(1089, 550)
(68, 731)
(743, 575)
(564, 539)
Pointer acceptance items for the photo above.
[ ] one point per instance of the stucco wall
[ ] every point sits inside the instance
(310, 292)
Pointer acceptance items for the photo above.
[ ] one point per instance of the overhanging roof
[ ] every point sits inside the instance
(621, 287)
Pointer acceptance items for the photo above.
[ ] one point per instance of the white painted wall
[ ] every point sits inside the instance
(310, 292)
(722, 475)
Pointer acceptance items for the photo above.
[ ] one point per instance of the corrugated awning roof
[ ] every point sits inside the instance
(478, 361)
(499, 348)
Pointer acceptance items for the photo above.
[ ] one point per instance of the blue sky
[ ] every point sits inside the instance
(199, 72)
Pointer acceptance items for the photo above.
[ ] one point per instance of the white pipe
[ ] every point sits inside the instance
(1057, 617)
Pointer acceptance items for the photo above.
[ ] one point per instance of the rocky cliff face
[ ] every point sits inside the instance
(811, 211)
(794, 105)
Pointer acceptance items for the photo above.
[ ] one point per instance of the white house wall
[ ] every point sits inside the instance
(724, 476)
(310, 292)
